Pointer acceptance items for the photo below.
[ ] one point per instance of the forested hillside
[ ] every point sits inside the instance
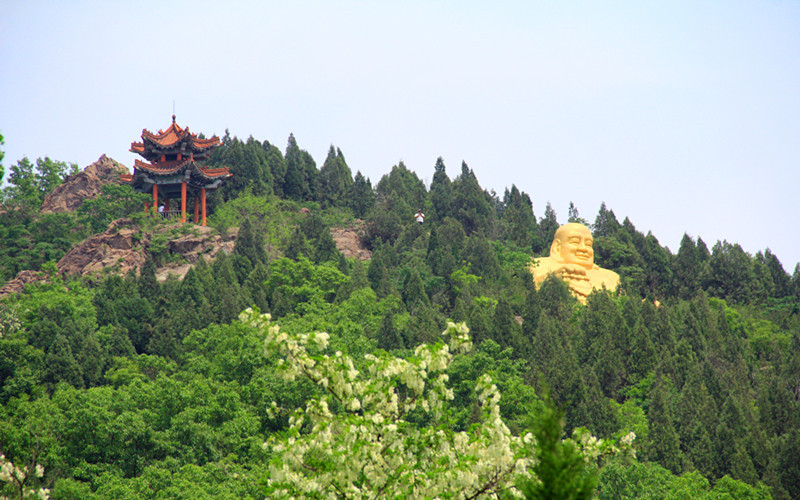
(121, 386)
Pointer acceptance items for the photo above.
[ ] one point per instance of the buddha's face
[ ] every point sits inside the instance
(573, 245)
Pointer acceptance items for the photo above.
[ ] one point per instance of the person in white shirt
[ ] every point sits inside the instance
(419, 217)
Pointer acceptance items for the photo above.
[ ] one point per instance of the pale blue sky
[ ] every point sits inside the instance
(683, 116)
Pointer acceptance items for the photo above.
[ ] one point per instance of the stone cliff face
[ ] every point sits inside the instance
(349, 241)
(86, 184)
(120, 247)
(124, 246)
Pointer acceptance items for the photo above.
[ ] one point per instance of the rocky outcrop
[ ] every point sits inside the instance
(124, 246)
(349, 241)
(83, 185)
(119, 248)
(18, 283)
(201, 241)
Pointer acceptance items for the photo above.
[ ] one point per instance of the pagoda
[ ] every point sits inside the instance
(172, 170)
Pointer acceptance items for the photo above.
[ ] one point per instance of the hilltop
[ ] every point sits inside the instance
(691, 364)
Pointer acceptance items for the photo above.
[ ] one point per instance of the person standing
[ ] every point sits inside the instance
(419, 217)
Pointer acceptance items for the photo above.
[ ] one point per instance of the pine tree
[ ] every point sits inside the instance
(297, 245)
(471, 205)
(277, 165)
(300, 182)
(574, 215)
(148, 284)
(335, 179)
(440, 192)
(548, 225)
(61, 365)
(250, 244)
(505, 329)
(390, 338)
(256, 289)
(413, 291)
(325, 248)
(560, 471)
(92, 360)
(663, 445)
(120, 344)
(519, 220)
(360, 197)
(606, 223)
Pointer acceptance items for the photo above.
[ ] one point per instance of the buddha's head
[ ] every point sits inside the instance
(572, 244)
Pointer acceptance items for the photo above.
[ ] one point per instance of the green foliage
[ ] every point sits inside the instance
(300, 286)
(335, 179)
(134, 388)
(561, 470)
(114, 202)
(471, 205)
(270, 217)
(28, 184)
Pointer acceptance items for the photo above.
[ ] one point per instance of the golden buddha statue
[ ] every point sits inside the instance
(572, 260)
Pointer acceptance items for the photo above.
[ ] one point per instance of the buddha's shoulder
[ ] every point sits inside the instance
(543, 264)
(605, 276)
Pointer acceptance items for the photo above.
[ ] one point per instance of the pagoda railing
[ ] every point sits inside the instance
(170, 214)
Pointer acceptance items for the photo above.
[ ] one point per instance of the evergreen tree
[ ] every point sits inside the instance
(574, 215)
(301, 180)
(250, 244)
(686, 269)
(471, 206)
(780, 278)
(519, 220)
(434, 253)
(390, 338)
(120, 344)
(61, 365)
(255, 287)
(663, 445)
(480, 254)
(360, 196)
(440, 192)
(92, 360)
(606, 223)
(560, 471)
(402, 192)
(325, 248)
(335, 179)
(358, 276)
(505, 329)
(548, 225)
(297, 245)
(226, 301)
(413, 291)
(148, 284)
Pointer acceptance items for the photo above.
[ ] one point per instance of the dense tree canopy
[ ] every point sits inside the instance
(127, 386)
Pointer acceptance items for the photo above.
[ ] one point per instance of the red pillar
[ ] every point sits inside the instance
(203, 202)
(166, 206)
(183, 201)
(155, 198)
(196, 209)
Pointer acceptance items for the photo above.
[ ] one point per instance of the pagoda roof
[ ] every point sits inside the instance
(165, 168)
(174, 137)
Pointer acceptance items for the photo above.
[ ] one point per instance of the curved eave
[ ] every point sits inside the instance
(176, 167)
(162, 168)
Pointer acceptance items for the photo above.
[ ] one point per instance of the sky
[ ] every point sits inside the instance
(682, 116)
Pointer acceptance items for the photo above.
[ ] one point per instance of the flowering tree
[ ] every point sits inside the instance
(386, 432)
(19, 480)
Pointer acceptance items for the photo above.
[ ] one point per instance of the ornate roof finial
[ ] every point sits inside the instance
(173, 118)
